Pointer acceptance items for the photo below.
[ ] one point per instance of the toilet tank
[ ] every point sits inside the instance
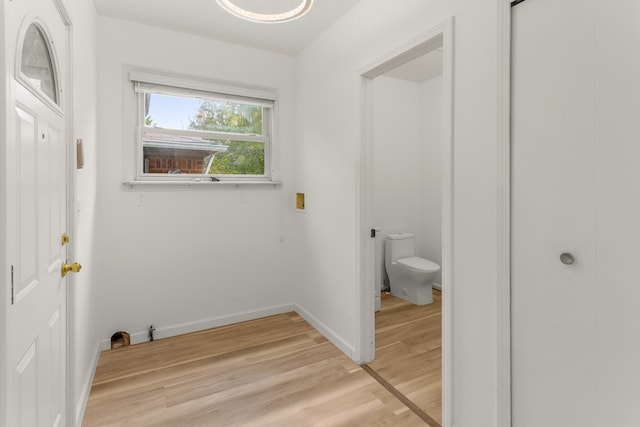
(400, 245)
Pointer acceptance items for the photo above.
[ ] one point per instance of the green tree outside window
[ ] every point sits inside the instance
(242, 157)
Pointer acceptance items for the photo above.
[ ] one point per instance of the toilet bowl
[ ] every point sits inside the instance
(410, 277)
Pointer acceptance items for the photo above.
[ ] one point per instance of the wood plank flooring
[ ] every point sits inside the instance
(409, 350)
(277, 371)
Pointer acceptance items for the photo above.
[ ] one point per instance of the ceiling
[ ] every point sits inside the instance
(421, 69)
(205, 18)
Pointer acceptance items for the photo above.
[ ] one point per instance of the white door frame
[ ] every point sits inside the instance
(4, 271)
(441, 35)
(503, 267)
(72, 420)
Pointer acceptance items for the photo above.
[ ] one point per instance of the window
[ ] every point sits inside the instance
(194, 131)
(36, 64)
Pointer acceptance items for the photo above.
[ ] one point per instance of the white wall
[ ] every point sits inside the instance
(430, 234)
(476, 193)
(167, 257)
(85, 106)
(617, 210)
(328, 94)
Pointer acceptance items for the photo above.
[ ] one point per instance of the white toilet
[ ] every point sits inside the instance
(410, 277)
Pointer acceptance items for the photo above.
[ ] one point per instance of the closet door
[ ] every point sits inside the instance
(554, 359)
(575, 213)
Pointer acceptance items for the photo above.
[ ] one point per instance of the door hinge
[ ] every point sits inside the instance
(12, 297)
(373, 233)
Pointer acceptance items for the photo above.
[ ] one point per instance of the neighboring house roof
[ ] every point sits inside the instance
(179, 144)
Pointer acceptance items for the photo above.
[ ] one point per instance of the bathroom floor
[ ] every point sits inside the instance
(409, 350)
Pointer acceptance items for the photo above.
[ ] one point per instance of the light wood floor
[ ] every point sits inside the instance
(277, 371)
(409, 350)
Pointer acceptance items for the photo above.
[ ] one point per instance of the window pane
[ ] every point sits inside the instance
(171, 154)
(36, 63)
(174, 112)
(241, 158)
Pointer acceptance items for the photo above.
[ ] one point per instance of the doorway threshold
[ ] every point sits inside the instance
(401, 397)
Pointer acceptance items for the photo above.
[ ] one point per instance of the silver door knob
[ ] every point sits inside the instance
(566, 258)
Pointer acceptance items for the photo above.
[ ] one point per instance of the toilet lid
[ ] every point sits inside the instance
(420, 265)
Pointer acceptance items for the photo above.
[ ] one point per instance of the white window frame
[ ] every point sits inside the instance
(140, 81)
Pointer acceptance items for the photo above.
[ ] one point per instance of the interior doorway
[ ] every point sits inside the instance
(379, 82)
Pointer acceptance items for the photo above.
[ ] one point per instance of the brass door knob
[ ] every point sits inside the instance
(75, 267)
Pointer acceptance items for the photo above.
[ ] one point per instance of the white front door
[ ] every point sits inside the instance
(37, 214)
(576, 213)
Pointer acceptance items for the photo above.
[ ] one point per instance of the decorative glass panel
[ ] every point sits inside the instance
(37, 64)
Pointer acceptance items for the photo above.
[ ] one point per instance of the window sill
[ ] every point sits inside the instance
(184, 185)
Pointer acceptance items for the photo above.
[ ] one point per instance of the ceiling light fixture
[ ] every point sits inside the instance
(266, 18)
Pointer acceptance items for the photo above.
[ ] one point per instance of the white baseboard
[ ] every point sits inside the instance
(81, 405)
(327, 332)
(437, 286)
(201, 325)
(185, 328)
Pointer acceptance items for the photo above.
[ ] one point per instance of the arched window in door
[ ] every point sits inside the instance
(36, 64)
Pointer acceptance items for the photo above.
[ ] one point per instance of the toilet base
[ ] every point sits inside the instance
(418, 295)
